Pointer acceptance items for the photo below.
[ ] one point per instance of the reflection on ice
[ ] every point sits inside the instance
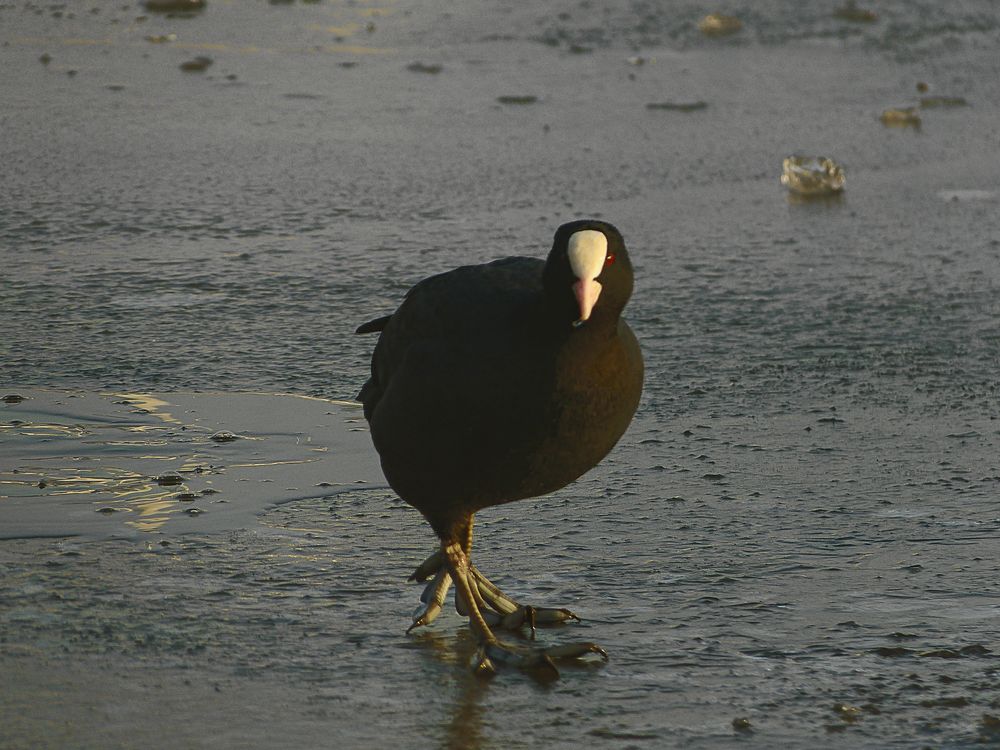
(135, 462)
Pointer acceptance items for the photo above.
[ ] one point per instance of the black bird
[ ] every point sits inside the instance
(500, 382)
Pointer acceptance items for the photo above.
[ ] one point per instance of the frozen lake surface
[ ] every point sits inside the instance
(799, 533)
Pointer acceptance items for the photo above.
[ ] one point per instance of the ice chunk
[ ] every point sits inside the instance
(812, 175)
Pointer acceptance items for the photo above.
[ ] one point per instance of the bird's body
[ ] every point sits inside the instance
(489, 384)
(477, 398)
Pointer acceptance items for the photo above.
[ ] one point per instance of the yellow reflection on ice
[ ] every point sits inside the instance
(274, 463)
(154, 511)
(150, 404)
(146, 428)
(79, 485)
(45, 430)
(122, 490)
(339, 402)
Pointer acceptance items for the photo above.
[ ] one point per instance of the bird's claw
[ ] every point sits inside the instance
(425, 617)
(482, 666)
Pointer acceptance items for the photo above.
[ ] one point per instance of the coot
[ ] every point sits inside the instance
(499, 382)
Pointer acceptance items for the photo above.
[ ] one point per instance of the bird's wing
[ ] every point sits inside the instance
(462, 309)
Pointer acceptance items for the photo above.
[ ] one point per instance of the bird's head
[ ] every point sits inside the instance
(588, 274)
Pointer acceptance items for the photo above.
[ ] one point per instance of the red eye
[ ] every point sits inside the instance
(610, 259)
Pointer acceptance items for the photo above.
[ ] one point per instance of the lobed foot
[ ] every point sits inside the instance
(539, 662)
(433, 599)
(498, 609)
(504, 612)
(486, 606)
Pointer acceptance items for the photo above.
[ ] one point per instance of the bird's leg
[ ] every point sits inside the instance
(497, 608)
(486, 606)
(539, 661)
(489, 647)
